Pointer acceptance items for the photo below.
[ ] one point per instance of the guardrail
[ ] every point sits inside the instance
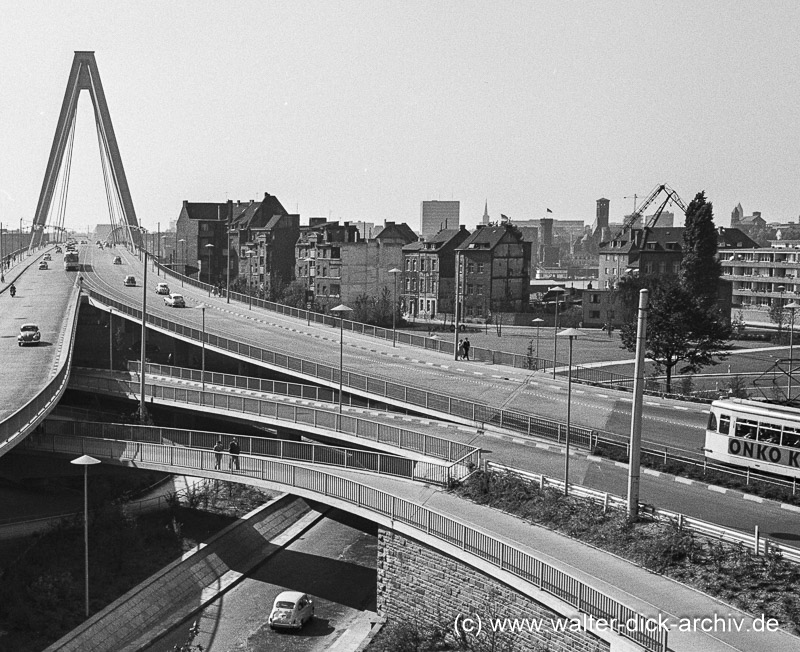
(460, 456)
(503, 556)
(479, 413)
(757, 543)
(30, 414)
(296, 451)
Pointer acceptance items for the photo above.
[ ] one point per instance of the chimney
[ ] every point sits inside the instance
(546, 234)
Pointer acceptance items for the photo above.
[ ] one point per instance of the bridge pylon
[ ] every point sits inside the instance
(84, 75)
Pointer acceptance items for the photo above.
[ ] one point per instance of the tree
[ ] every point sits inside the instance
(680, 329)
(738, 325)
(777, 316)
(700, 269)
(294, 294)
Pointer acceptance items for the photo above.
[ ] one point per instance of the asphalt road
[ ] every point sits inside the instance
(334, 562)
(670, 423)
(42, 298)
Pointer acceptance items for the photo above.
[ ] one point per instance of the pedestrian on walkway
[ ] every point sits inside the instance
(234, 450)
(219, 447)
(460, 354)
(466, 348)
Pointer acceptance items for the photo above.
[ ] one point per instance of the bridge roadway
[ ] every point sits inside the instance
(47, 298)
(676, 424)
(437, 517)
(730, 509)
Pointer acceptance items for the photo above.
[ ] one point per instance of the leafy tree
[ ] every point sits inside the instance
(700, 269)
(294, 294)
(738, 325)
(777, 315)
(363, 309)
(680, 329)
(737, 388)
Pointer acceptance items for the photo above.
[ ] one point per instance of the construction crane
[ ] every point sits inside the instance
(630, 220)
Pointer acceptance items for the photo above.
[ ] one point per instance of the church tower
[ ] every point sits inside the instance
(485, 220)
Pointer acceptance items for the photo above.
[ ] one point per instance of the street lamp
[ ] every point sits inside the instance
(780, 289)
(183, 258)
(308, 260)
(791, 306)
(537, 322)
(85, 461)
(249, 253)
(571, 333)
(203, 307)
(394, 272)
(209, 249)
(143, 355)
(340, 310)
(558, 292)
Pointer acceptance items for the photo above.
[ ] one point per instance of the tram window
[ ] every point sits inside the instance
(724, 424)
(769, 433)
(746, 429)
(791, 438)
(712, 421)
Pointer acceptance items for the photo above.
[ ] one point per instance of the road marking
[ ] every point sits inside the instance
(652, 403)
(680, 407)
(602, 395)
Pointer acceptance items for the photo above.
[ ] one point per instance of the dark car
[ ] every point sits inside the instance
(28, 334)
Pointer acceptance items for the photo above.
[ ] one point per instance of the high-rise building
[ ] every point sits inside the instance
(437, 215)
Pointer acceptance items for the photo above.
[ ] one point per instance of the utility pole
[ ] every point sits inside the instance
(636, 412)
(634, 196)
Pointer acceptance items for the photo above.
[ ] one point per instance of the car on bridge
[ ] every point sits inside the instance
(162, 288)
(117, 260)
(58, 250)
(47, 257)
(292, 610)
(43, 265)
(175, 300)
(28, 334)
(130, 282)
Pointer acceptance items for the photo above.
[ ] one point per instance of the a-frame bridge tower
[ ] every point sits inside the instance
(85, 76)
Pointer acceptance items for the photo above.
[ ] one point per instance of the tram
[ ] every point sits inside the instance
(71, 261)
(753, 434)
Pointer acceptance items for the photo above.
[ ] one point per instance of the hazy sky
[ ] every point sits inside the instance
(361, 110)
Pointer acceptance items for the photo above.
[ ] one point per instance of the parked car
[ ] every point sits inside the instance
(117, 260)
(58, 250)
(291, 609)
(28, 334)
(130, 281)
(175, 300)
(162, 288)
(43, 265)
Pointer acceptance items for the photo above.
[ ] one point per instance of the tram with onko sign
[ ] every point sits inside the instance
(753, 434)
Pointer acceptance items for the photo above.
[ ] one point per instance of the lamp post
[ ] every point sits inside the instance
(111, 339)
(780, 289)
(203, 307)
(158, 244)
(394, 272)
(85, 461)
(183, 257)
(209, 249)
(308, 260)
(558, 292)
(571, 333)
(537, 322)
(228, 258)
(249, 255)
(791, 306)
(143, 354)
(340, 310)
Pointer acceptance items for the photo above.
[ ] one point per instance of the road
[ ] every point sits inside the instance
(334, 562)
(666, 422)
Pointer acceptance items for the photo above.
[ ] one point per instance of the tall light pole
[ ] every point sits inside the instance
(143, 356)
(571, 333)
(636, 410)
(158, 244)
(183, 256)
(780, 289)
(203, 307)
(308, 260)
(228, 258)
(791, 306)
(340, 310)
(85, 461)
(457, 303)
(394, 272)
(249, 255)
(537, 322)
(209, 249)
(558, 292)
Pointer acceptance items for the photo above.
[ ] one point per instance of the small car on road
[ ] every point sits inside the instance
(130, 281)
(292, 610)
(43, 265)
(162, 288)
(117, 260)
(174, 300)
(47, 257)
(28, 334)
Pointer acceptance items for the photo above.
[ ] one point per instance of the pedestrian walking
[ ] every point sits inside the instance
(219, 448)
(460, 354)
(169, 359)
(466, 348)
(234, 451)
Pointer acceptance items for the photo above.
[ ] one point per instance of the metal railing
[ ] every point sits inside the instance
(503, 556)
(26, 417)
(758, 544)
(460, 456)
(349, 458)
(450, 406)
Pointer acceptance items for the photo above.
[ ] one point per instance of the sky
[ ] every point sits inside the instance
(360, 110)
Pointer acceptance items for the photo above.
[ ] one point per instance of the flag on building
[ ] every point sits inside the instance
(549, 211)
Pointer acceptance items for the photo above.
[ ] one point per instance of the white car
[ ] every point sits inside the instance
(175, 300)
(292, 610)
(162, 288)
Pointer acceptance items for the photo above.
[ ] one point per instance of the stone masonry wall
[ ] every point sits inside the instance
(418, 583)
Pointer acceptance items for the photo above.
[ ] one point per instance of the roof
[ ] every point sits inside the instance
(292, 596)
(488, 237)
(258, 214)
(660, 238)
(733, 238)
(435, 242)
(393, 230)
(206, 211)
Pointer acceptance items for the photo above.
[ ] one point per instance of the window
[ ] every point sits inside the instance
(422, 265)
(408, 264)
(712, 422)
(335, 289)
(480, 268)
(479, 289)
(746, 428)
(469, 289)
(676, 268)
(594, 298)
(414, 265)
(434, 264)
(594, 314)
(662, 267)
(471, 268)
(408, 284)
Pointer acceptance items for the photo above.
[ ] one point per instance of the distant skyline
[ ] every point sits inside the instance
(359, 111)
